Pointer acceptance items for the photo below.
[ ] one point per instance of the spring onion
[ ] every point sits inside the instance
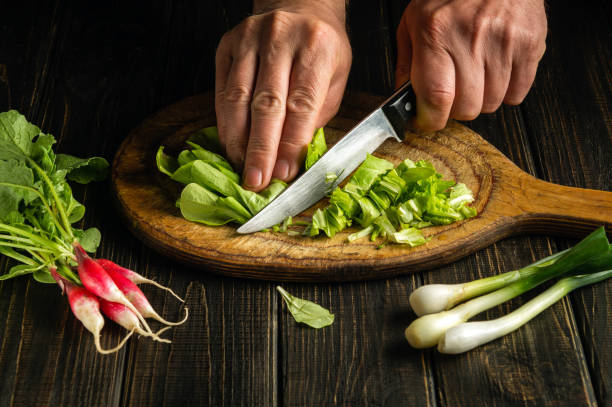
(468, 335)
(426, 331)
(432, 298)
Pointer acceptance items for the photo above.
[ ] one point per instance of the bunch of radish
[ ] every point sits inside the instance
(38, 232)
(112, 290)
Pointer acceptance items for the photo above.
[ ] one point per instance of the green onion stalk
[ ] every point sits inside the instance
(468, 335)
(432, 298)
(592, 253)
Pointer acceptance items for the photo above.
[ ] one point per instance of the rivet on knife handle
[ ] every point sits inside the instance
(400, 108)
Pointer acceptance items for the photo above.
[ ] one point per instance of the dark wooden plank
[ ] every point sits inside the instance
(373, 57)
(362, 358)
(521, 368)
(224, 355)
(107, 69)
(571, 129)
(46, 357)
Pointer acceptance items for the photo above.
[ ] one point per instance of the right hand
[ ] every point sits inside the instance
(279, 76)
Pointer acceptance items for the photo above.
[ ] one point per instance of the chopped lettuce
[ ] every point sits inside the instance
(392, 203)
(316, 148)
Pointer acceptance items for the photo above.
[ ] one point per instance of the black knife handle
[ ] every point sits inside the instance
(400, 108)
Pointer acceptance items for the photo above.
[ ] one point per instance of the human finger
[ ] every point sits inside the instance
(404, 54)
(308, 88)
(223, 64)
(469, 85)
(268, 107)
(433, 80)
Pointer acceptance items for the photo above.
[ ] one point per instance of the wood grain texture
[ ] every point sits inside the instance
(508, 202)
(571, 136)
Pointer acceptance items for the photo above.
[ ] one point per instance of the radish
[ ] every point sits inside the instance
(86, 308)
(138, 299)
(123, 316)
(97, 281)
(133, 276)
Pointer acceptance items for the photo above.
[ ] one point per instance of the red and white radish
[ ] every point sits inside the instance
(97, 281)
(133, 276)
(123, 316)
(86, 308)
(138, 299)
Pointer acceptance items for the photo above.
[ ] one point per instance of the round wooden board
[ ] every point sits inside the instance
(146, 198)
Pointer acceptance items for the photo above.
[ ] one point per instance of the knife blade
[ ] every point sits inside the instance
(387, 121)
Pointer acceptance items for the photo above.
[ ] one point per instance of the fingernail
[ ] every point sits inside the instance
(252, 177)
(281, 170)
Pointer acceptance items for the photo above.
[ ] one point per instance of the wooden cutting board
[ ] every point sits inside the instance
(509, 202)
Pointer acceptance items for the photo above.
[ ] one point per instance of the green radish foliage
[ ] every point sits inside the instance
(37, 208)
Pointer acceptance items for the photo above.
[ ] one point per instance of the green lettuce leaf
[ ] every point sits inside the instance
(207, 138)
(316, 148)
(166, 163)
(273, 190)
(305, 311)
(368, 173)
(198, 204)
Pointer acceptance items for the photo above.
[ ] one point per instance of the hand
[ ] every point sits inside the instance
(465, 57)
(279, 76)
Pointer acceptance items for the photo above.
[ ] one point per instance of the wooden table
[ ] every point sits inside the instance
(88, 73)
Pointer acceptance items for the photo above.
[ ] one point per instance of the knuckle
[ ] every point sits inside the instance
(302, 100)
(278, 22)
(247, 27)
(436, 25)
(260, 147)
(235, 151)
(318, 32)
(224, 43)
(238, 94)
(439, 97)
(292, 146)
(267, 101)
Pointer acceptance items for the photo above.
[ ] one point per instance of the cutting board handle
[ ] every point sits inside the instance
(562, 210)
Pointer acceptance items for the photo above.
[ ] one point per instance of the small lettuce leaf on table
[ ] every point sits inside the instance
(305, 311)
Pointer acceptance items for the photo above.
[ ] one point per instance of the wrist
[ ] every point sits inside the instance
(332, 12)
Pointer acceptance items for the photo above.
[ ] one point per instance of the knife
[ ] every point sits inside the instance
(387, 121)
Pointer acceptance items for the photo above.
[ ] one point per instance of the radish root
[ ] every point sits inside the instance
(157, 317)
(144, 280)
(112, 350)
(154, 335)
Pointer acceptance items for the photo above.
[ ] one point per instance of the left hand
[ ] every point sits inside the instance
(465, 57)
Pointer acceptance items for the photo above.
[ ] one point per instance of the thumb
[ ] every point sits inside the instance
(404, 53)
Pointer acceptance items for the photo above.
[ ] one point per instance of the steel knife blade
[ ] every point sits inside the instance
(387, 121)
